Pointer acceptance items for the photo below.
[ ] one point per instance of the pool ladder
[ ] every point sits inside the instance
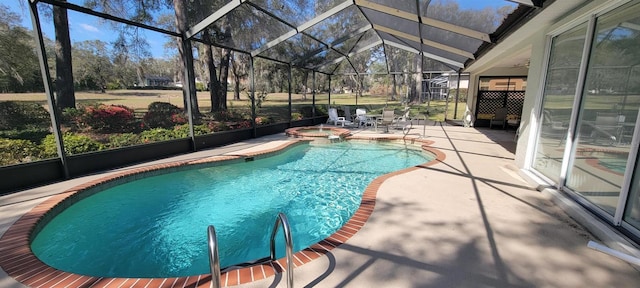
(214, 259)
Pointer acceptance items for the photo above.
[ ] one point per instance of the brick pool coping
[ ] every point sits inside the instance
(18, 261)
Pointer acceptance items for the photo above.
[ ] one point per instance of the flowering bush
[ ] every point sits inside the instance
(164, 115)
(228, 115)
(73, 118)
(262, 120)
(215, 126)
(242, 125)
(108, 118)
(179, 119)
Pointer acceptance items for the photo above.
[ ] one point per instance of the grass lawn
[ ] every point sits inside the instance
(273, 104)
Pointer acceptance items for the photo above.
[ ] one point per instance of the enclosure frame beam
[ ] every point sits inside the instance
(46, 81)
(195, 29)
(425, 20)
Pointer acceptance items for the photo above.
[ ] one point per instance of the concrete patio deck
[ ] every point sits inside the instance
(469, 221)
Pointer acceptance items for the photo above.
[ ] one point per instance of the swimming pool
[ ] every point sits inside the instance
(175, 233)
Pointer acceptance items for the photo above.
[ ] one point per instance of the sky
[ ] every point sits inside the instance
(86, 27)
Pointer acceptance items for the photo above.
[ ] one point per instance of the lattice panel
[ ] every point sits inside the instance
(490, 101)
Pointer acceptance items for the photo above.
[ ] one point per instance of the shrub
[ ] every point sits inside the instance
(15, 151)
(73, 144)
(228, 115)
(72, 117)
(182, 131)
(263, 120)
(242, 125)
(321, 110)
(108, 118)
(157, 134)
(306, 111)
(32, 134)
(20, 115)
(163, 115)
(114, 86)
(216, 126)
(200, 86)
(123, 140)
(296, 116)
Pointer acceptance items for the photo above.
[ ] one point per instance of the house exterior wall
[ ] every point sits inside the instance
(537, 35)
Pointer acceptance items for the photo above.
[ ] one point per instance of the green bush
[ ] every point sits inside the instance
(15, 151)
(296, 116)
(306, 111)
(73, 144)
(123, 140)
(200, 86)
(182, 131)
(32, 134)
(157, 135)
(321, 110)
(114, 86)
(108, 118)
(164, 115)
(15, 115)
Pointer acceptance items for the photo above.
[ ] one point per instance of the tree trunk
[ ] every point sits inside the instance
(224, 75)
(394, 89)
(236, 80)
(181, 24)
(305, 77)
(64, 73)
(214, 85)
(236, 90)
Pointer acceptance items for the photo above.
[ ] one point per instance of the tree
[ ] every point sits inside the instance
(92, 68)
(239, 71)
(19, 69)
(181, 25)
(65, 94)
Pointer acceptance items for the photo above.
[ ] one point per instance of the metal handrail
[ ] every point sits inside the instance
(282, 219)
(214, 259)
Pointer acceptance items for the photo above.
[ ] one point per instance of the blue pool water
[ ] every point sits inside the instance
(157, 226)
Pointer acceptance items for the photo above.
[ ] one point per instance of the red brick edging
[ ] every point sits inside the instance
(19, 262)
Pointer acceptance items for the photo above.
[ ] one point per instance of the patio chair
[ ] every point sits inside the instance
(362, 119)
(552, 128)
(499, 118)
(387, 119)
(404, 120)
(347, 113)
(333, 117)
(606, 128)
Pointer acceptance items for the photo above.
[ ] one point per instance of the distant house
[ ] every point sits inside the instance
(158, 81)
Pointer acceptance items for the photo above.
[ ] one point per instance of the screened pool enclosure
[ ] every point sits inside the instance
(91, 85)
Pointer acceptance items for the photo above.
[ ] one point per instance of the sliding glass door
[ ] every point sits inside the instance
(602, 155)
(559, 95)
